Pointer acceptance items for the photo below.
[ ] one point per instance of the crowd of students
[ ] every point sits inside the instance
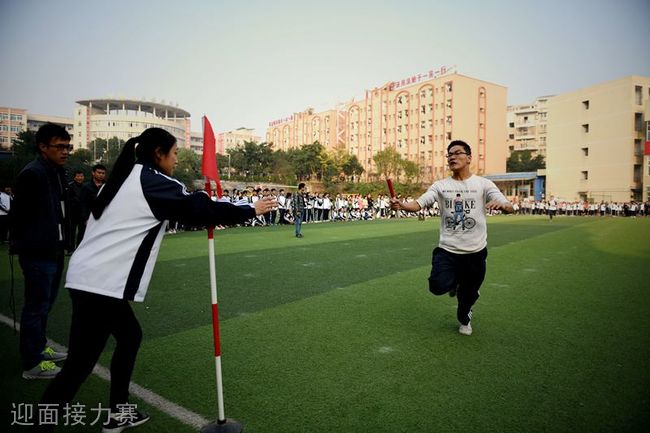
(582, 208)
(323, 207)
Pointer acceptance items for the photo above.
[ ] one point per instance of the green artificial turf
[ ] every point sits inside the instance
(337, 331)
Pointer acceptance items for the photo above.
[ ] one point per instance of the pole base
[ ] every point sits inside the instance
(226, 426)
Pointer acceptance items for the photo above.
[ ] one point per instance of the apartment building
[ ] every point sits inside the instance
(527, 127)
(126, 118)
(231, 139)
(595, 141)
(306, 127)
(12, 121)
(35, 121)
(646, 155)
(418, 116)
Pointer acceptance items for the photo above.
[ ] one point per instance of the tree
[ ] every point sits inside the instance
(522, 160)
(79, 160)
(23, 151)
(352, 167)
(388, 162)
(188, 167)
(411, 170)
(282, 170)
(252, 160)
(307, 161)
(105, 151)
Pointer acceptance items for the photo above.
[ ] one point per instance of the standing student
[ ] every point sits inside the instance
(5, 207)
(39, 234)
(77, 223)
(113, 264)
(552, 208)
(298, 206)
(91, 189)
(458, 263)
(282, 200)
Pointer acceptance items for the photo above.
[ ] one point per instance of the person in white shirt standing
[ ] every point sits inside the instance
(5, 206)
(458, 262)
(114, 264)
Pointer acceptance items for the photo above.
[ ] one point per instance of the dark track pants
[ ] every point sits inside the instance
(94, 318)
(462, 271)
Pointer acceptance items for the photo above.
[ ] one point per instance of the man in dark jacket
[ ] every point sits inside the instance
(77, 223)
(38, 230)
(299, 204)
(91, 189)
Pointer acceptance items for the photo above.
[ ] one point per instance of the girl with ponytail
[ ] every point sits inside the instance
(114, 262)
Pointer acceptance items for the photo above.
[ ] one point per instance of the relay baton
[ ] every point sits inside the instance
(390, 188)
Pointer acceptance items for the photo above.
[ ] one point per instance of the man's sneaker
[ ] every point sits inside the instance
(50, 354)
(120, 421)
(465, 329)
(44, 370)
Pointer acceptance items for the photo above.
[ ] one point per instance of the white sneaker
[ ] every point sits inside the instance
(50, 354)
(44, 370)
(465, 329)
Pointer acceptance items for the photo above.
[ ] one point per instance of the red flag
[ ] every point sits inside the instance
(209, 161)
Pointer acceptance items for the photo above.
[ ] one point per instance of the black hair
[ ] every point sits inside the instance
(465, 146)
(301, 185)
(47, 132)
(140, 149)
(99, 167)
(76, 172)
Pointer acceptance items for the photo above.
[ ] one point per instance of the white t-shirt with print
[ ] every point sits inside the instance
(463, 229)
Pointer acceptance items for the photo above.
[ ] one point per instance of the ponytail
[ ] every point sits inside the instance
(121, 170)
(140, 148)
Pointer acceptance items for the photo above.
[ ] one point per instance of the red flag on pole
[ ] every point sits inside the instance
(209, 161)
(209, 170)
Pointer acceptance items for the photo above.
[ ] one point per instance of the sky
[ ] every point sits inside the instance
(247, 63)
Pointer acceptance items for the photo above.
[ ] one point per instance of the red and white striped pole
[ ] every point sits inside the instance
(221, 425)
(215, 317)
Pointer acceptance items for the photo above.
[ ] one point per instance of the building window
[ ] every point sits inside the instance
(585, 175)
(585, 104)
(638, 97)
(585, 151)
(638, 173)
(511, 136)
(585, 127)
(638, 122)
(511, 124)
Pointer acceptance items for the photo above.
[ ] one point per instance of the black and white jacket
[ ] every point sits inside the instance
(118, 252)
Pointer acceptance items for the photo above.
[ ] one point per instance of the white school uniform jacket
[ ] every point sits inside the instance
(117, 254)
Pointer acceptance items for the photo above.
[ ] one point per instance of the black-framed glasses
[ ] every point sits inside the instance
(449, 155)
(62, 147)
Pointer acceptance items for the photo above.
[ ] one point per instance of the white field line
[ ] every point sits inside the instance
(170, 408)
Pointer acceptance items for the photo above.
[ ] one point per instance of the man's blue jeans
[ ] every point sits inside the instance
(298, 222)
(42, 279)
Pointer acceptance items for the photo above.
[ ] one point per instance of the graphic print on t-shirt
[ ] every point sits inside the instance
(458, 210)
